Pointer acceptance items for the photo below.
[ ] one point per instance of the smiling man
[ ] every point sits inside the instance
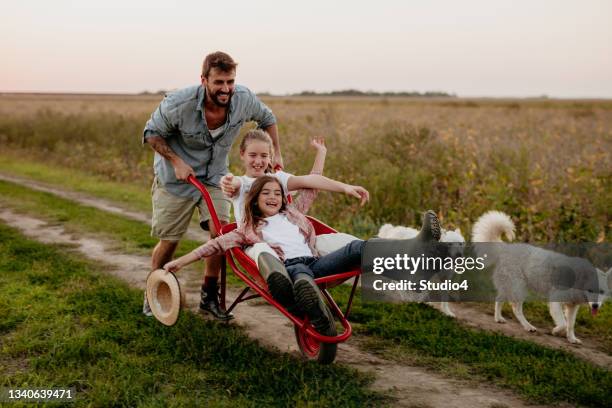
(192, 132)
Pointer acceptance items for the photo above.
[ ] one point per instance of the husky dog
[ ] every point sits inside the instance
(389, 231)
(521, 268)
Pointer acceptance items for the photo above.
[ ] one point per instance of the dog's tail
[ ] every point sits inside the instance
(385, 231)
(491, 226)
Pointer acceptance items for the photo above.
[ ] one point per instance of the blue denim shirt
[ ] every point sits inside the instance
(180, 120)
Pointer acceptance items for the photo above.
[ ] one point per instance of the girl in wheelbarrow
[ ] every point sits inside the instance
(290, 274)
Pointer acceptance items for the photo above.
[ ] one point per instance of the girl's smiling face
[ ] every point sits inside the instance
(256, 158)
(270, 199)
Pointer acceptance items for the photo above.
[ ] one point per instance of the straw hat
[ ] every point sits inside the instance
(164, 296)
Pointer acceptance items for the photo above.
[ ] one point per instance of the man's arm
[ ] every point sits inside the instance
(181, 169)
(272, 130)
(258, 111)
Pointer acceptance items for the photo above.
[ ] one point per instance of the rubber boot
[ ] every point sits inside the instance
(310, 300)
(278, 280)
(430, 230)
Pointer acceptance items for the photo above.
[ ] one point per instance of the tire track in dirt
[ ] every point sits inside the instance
(193, 233)
(411, 386)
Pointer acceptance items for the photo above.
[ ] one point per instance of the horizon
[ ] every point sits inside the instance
(322, 94)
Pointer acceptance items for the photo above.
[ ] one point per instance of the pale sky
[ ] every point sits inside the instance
(561, 48)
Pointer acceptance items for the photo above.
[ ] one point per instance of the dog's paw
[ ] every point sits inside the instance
(559, 330)
(574, 340)
(530, 329)
(500, 320)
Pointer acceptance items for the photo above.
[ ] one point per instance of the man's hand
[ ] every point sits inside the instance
(182, 170)
(229, 185)
(358, 192)
(278, 161)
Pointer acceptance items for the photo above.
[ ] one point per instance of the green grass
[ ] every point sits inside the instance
(418, 334)
(65, 324)
(128, 235)
(136, 196)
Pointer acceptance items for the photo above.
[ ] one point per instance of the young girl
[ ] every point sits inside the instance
(269, 218)
(256, 156)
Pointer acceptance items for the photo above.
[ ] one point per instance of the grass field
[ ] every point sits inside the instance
(545, 163)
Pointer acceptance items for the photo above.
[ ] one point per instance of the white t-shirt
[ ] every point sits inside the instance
(245, 186)
(280, 231)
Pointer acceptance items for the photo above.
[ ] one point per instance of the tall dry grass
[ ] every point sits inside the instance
(546, 163)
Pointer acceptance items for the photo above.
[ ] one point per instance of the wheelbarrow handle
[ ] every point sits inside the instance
(211, 208)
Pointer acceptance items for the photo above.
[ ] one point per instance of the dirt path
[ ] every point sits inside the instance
(193, 233)
(412, 386)
(470, 316)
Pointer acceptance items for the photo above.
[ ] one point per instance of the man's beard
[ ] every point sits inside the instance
(216, 101)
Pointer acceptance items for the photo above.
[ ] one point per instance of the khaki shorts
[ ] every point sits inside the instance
(172, 214)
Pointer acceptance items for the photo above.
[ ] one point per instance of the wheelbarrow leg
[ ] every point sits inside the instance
(222, 284)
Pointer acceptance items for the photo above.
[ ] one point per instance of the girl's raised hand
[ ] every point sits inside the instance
(318, 143)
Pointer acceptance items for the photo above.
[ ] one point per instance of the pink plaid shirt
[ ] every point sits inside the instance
(243, 236)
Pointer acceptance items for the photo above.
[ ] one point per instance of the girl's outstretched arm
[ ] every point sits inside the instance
(316, 181)
(216, 246)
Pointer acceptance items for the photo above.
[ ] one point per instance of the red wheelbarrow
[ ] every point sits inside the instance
(313, 345)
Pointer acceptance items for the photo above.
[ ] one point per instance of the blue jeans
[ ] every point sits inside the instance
(341, 260)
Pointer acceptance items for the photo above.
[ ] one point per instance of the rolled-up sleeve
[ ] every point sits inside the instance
(163, 121)
(259, 112)
(219, 245)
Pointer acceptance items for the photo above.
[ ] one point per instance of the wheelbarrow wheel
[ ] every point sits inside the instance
(312, 349)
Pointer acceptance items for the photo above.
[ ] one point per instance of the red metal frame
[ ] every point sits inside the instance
(255, 282)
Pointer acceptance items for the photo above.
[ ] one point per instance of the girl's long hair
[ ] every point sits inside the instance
(252, 214)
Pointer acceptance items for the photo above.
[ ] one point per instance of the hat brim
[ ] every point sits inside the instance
(164, 296)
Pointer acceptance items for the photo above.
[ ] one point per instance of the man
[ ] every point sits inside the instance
(192, 132)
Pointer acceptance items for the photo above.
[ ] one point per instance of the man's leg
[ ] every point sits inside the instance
(171, 216)
(210, 288)
(212, 266)
(162, 253)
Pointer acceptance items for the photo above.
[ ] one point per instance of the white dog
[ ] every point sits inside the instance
(389, 231)
(521, 268)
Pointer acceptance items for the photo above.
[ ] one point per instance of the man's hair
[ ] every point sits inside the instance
(219, 60)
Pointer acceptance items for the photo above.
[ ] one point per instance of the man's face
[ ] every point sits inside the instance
(219, 86)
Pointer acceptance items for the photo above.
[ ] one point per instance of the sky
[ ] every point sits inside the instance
(500, 48)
